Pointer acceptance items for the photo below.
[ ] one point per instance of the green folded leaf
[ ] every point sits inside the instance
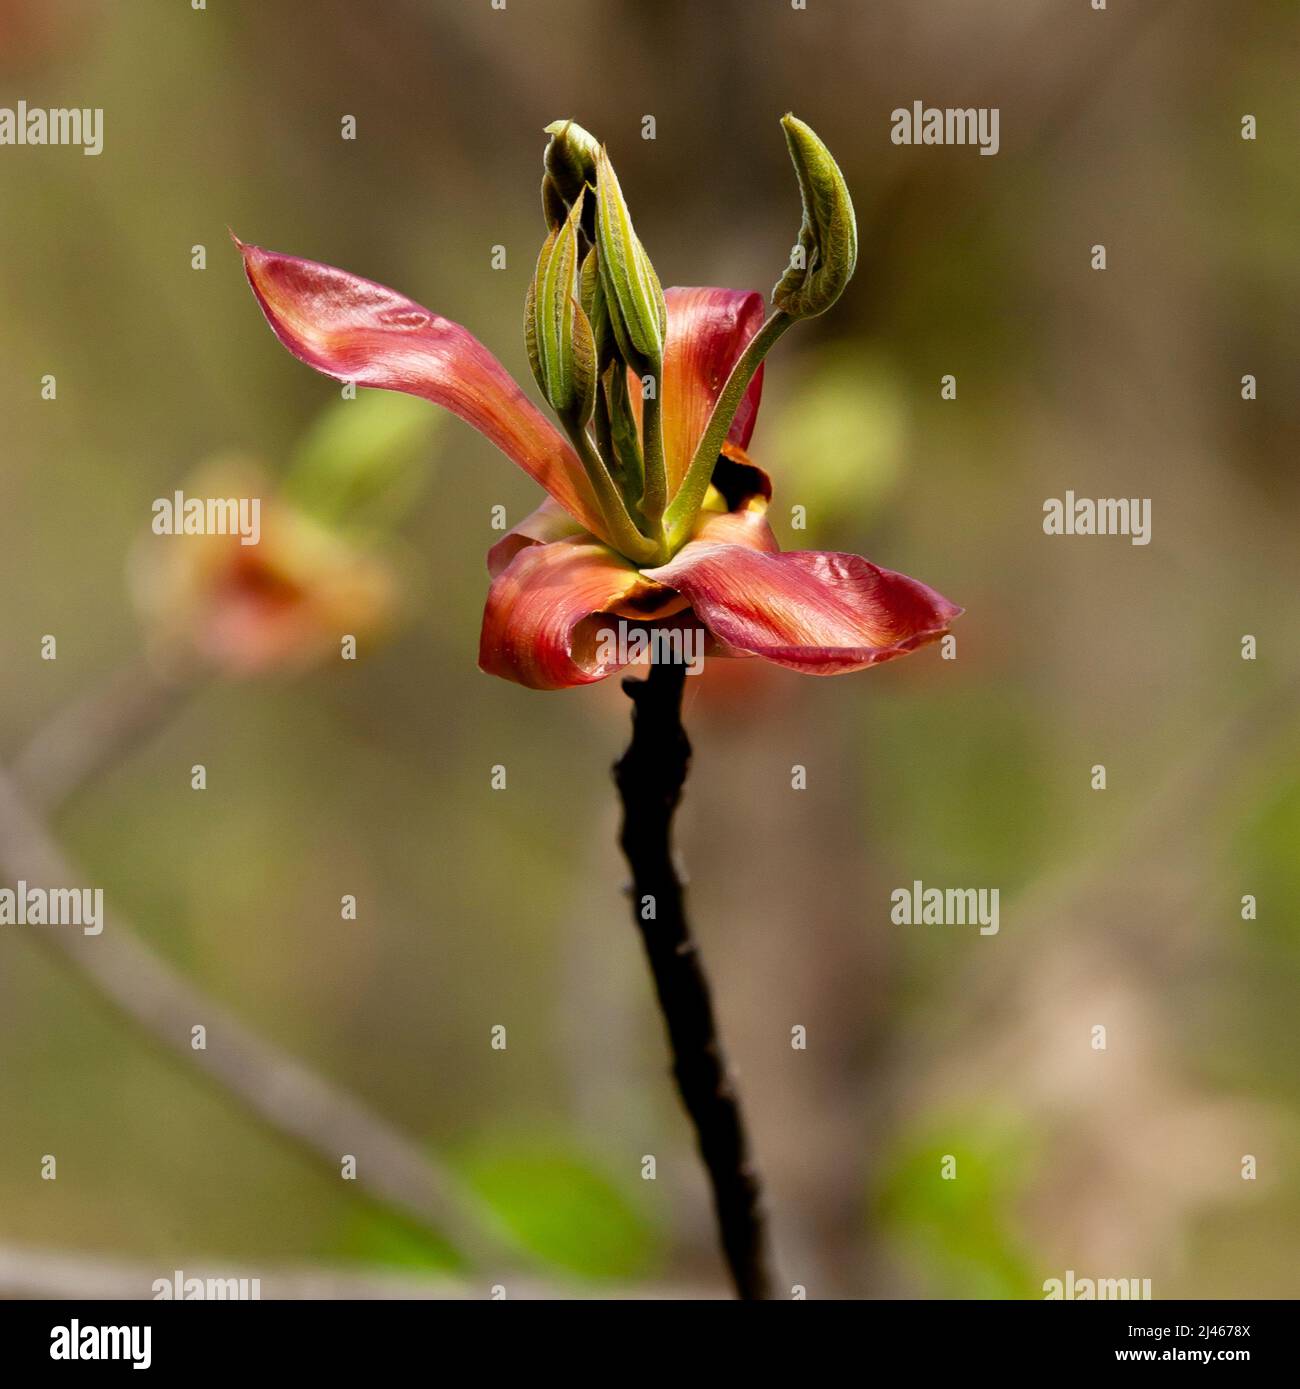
(591, 295)
(561, 347)
(638, 314)
(824, 260)
(625, 440)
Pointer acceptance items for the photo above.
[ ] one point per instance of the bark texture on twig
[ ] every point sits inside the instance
(650, 776)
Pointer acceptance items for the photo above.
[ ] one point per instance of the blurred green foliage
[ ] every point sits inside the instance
(562, 1205)
(961, 1232)
(841, 433)
(363, 463)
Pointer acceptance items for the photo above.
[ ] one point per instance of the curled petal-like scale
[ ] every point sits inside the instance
(748, 529)
(545, 612)
(708, 329)
(356, 330)
(815, 612)
(548, 523)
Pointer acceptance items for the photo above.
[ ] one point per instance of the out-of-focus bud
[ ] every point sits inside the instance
(558, 335)
(284, 603)
(570, 167)
(827, 252)
(637, 312)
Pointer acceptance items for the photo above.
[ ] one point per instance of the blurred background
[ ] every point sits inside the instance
(479, 908)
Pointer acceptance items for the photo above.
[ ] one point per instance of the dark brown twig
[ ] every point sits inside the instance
(650, 776)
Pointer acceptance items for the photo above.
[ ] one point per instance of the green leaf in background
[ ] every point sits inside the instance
(562, 1205)
(363, 462)
(839, 441)
(1264, 857)
(1254, 986)
(959, 1235)
(376, 1238)
(558, 1202)
(978, 805)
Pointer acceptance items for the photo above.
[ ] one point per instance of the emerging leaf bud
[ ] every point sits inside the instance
(637, 312)
(828, 238)
(570, 167)
(561, 349)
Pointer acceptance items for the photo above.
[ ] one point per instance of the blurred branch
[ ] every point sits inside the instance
(91, 733)
(35, 1271)
(288, 1097)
